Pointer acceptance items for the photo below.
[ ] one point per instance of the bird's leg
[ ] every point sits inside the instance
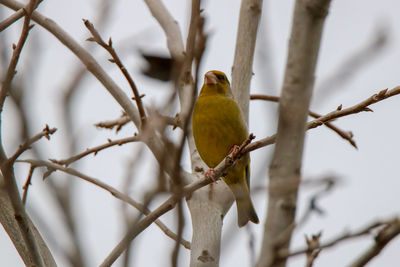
(209, 174)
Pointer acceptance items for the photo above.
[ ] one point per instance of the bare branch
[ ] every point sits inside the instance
(113, 191)
(249, 18)
(308, 20)
(26, 229)
(46, 132)
(11, 71)
(117, 123)
(393, 225)
(347, 135)
(313, 252)
(170, 27)
(170, 203)
(96, 149)
(27, 183)
(115, 59)
(388, 233)
(360, 107)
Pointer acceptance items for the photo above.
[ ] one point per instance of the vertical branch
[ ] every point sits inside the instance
(249, 18)
(308, 20)
(25, 228)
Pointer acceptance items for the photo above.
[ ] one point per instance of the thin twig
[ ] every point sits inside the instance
(388, 233)
(117, 123)
(11, 19)
(96, 150)
(17, 49)
(113, 191)
(27, 183)
(360, 107)
(46, 132)
(285, 253)
(347, 135)
(115, 59)
(20, 215)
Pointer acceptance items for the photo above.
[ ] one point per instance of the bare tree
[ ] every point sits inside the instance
(157, 129)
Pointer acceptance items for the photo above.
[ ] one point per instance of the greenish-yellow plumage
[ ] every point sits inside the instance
(218, 126)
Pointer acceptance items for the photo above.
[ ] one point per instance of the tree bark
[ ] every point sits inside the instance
(308, 20)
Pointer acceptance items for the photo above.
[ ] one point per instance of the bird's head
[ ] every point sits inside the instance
(216, 82)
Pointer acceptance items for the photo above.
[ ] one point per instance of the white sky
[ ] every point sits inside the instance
(370, 185)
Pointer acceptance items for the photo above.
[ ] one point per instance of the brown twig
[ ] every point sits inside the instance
(27, 183)
(20, 215)
(117, 123)
(347, 135)
(46, 132)
(115, 59)
(285, 253)
(17, 49)
(312, 244)
(176, 122)
(388, 233)
(96, 150)
(360, 107)
(113, 191)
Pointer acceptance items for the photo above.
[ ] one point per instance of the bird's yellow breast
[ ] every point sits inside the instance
(218, 125)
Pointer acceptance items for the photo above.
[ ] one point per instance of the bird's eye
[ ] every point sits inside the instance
(220, 77)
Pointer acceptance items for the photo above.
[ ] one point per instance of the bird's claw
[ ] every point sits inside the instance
(234, 150)
(209, 174)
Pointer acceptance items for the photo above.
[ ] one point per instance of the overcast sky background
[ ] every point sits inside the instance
(369, 187)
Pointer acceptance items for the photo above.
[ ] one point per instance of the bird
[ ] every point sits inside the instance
(219, 127)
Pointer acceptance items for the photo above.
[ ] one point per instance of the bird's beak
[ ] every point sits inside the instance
(210, 78)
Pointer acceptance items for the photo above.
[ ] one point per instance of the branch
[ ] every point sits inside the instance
(95, 150)
(360, 107)
(27, 183)
(153, 141)
(249, 18)
(11, 19)
(115, 59)
(170, 27)
(308, 21)
(113, 191)
(26, 229)
(388, 233)
(46, 132)
(170, 203)
(11, 71)
(284, 253)
(117, 123)
(347, 135)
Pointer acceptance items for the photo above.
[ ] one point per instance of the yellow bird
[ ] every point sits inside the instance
(218, 126)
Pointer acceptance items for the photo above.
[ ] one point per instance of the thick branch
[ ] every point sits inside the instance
(242, 69)
(308, 20)
(170, 27)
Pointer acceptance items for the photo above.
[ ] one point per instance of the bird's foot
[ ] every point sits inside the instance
(234, 150)
(209, 174)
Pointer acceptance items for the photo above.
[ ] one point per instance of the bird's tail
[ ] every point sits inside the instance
(245, 211)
